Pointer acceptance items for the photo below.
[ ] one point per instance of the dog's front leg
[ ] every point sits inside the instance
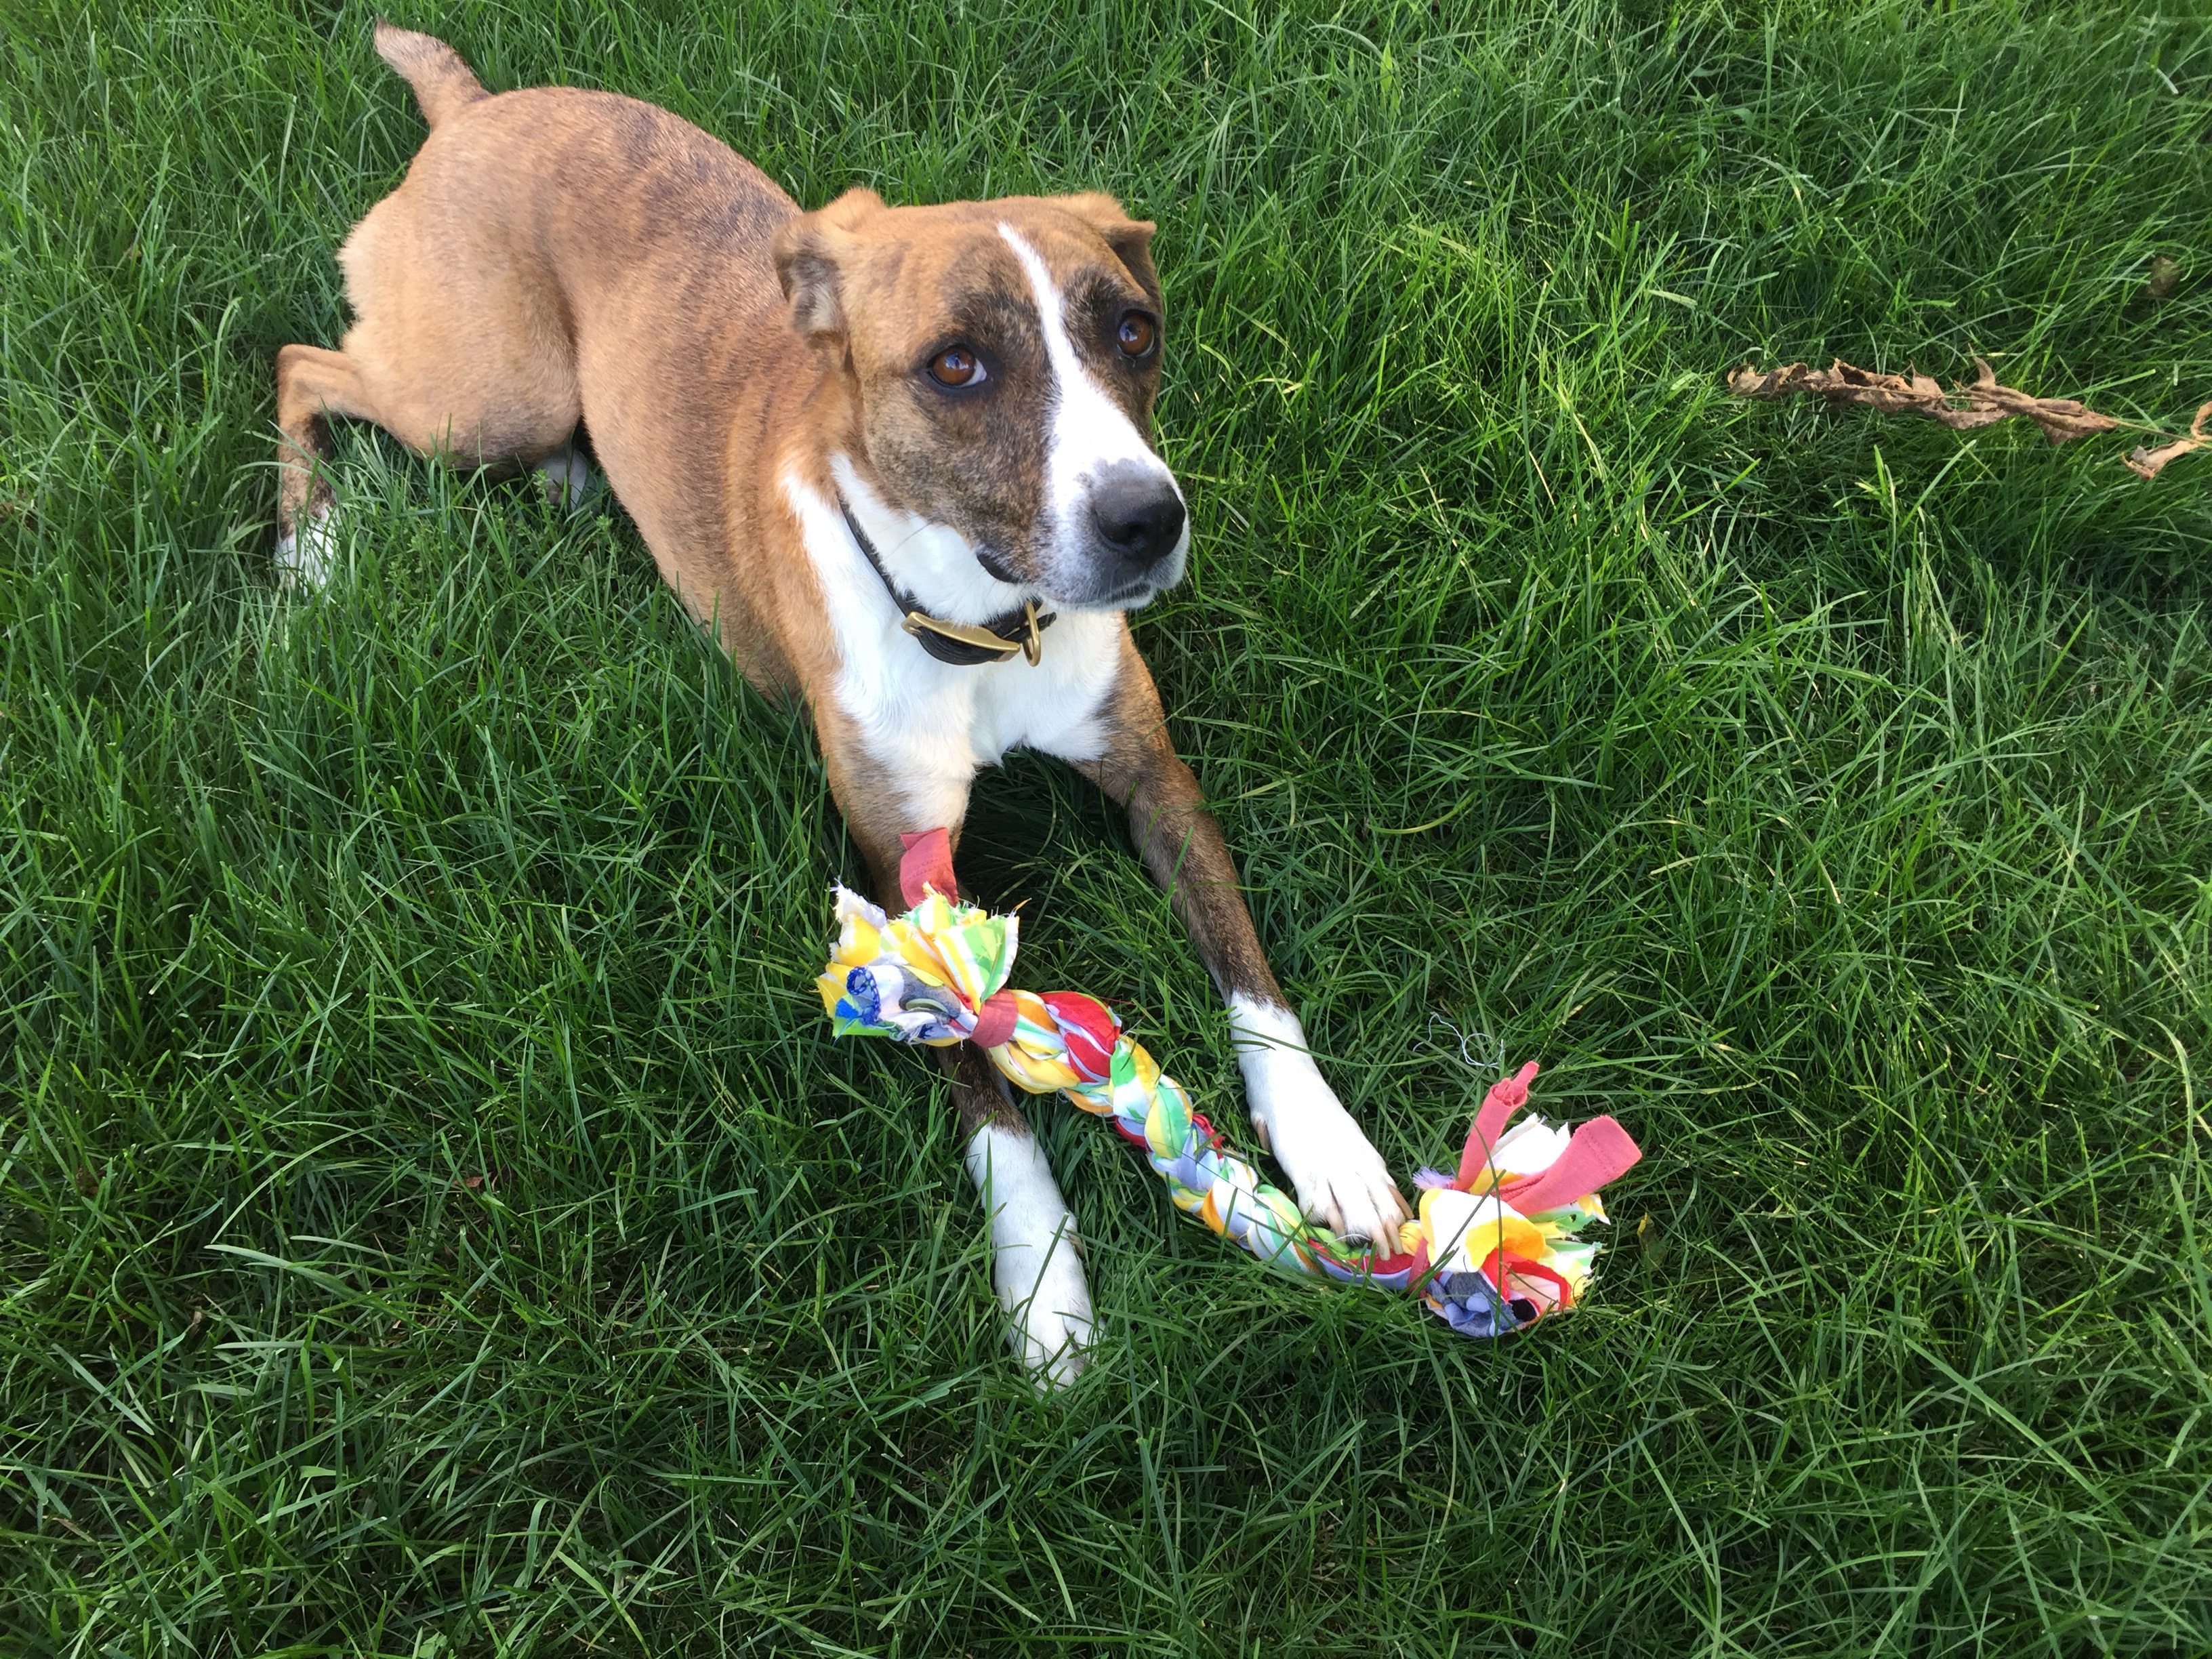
(1340, 1178)
(1035, 1268)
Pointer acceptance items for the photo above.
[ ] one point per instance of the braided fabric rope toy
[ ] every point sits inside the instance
(1496, 1245)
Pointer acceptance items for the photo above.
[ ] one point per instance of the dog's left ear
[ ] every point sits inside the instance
(1130, 239)
(810, 253)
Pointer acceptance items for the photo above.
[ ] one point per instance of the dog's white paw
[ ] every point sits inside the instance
(1051, 1310)
(1035, 1266)
(1341, 1181)
(307, 553)
(568, 479)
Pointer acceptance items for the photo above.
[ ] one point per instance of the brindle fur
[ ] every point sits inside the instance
(557, 256)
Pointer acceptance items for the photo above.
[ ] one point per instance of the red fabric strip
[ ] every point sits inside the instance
(1599, 1151)
(927, 863)
(1089, 1031)
(1501, 1265)
(995, 1020)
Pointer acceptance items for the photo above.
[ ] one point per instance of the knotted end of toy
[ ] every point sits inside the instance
(1500, 1241)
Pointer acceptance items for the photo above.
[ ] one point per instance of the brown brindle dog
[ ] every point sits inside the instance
(894, 458)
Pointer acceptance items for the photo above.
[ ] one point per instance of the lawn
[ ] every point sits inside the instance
(434, 1220)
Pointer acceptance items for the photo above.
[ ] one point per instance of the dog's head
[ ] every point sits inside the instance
(1002, 358)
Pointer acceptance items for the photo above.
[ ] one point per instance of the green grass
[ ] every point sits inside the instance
(436, 1220)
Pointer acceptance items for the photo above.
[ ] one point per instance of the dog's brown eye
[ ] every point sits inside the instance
(957, 366)
(1136, 334)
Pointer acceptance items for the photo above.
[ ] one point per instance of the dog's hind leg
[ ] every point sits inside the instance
(311, 384)
(457, 350)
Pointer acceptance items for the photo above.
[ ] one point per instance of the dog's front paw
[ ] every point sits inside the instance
(1341, 1181)
(1034, 1267)
(1050, 1308)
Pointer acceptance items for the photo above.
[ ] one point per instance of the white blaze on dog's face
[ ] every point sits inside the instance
(1001, 359)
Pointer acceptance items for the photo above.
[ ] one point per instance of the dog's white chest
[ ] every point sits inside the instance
(932, 725)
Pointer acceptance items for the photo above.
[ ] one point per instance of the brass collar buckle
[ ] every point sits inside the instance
(1030, 645)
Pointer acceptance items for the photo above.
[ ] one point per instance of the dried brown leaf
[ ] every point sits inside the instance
(2147, 463)
(1749, 382)
(2061, 419)
(1846, 384)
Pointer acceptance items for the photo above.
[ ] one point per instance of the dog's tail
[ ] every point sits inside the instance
(442, 83)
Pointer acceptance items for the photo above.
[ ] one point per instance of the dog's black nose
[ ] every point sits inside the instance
(1137, 513)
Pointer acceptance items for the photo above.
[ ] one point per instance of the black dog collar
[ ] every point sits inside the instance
(996, 641)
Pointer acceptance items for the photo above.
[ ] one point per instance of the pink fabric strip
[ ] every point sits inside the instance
(1507, 1096)
(928, 861)
(1599, 1151)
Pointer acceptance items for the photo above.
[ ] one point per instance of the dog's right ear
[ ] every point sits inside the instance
(810, 253)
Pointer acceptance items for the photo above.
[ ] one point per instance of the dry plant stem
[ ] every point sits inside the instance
(2061, 419)
(2146, 463)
